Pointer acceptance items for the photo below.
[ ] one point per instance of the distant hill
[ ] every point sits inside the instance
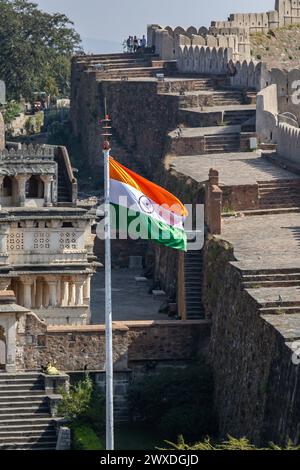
(101, 46)
(278, 48)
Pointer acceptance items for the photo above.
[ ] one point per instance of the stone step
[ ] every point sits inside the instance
(271, 211)
(19, 376)
(20, 391)
(23, 411)
(280, 206)
(29, 439)
(274, 276)
(280, 189)
(285, 304)
(280, 183)
(16, 398)
(280, 309)
(270, 272)
(253, 285)
(21, 380)
(44, 445)
(38, 386)
(28, 421)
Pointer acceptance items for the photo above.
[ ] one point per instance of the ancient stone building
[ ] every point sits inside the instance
(46, 245)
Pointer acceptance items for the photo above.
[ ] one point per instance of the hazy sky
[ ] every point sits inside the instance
(104, 24)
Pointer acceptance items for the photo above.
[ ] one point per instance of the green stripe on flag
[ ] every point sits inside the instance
(139, 225)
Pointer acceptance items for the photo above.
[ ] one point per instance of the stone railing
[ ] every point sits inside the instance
(76, 315)
(203, 60)
(55, 241)
(266, 113)
(27, 152)
(288, 142)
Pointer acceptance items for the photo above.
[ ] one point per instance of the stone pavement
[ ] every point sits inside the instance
(131, 300)
(234, 168)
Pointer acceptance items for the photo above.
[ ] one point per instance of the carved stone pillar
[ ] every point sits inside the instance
(46, 299)
(72, 293)
(65, 291)
(4, 231)
(52, 283)
(47, 179)
(21, 197)
(39, 294)
(27, 283)
(87, 291)
(78, 292)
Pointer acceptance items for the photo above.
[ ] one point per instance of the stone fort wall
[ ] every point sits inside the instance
(257, 388)
(286, 12)
(135, 343)
(167, 40)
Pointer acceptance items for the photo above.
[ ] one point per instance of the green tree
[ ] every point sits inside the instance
(36, 49)
(12, 110)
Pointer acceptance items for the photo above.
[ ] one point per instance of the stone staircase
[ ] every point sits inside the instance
(271, 278)
(193, 269)
(204, 84)
(279, 194)
(238, 117)
(63, 195)
(134, 72)
(25, 421)
(222, 143)
(227, 97)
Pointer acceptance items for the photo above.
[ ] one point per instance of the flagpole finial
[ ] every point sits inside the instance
(106, 131)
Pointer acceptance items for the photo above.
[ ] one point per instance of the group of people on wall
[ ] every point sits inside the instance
(134, 44)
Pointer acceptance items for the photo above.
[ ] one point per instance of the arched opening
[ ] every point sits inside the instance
(2, 349)
(7, 187)
(34, 188)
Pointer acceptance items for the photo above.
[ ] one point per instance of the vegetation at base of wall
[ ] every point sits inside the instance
(231, 444)
(12, 110)
(76, 401)
(175, 402)
(36, 49)
(85, 438)
(84, 406)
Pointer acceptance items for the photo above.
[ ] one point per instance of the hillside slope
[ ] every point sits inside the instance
(278, 48)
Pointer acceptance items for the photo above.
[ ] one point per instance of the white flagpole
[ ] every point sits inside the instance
(108, 300)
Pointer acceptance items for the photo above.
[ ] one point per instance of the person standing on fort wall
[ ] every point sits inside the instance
(135, 44)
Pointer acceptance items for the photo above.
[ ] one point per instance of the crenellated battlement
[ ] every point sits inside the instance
(27, 152)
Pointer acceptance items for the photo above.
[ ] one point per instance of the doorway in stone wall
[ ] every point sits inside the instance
(2, 349)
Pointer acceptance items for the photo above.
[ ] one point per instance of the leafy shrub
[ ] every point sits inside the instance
(76, 401)
(95, 414)
(85, 438)
(175, 402)
(12, 110)
(231, 444)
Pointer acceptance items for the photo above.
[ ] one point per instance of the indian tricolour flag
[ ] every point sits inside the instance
(151, 212)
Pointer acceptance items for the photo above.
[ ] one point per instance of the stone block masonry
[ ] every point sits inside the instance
(140, 116)
(74, 348)
(256, 384)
